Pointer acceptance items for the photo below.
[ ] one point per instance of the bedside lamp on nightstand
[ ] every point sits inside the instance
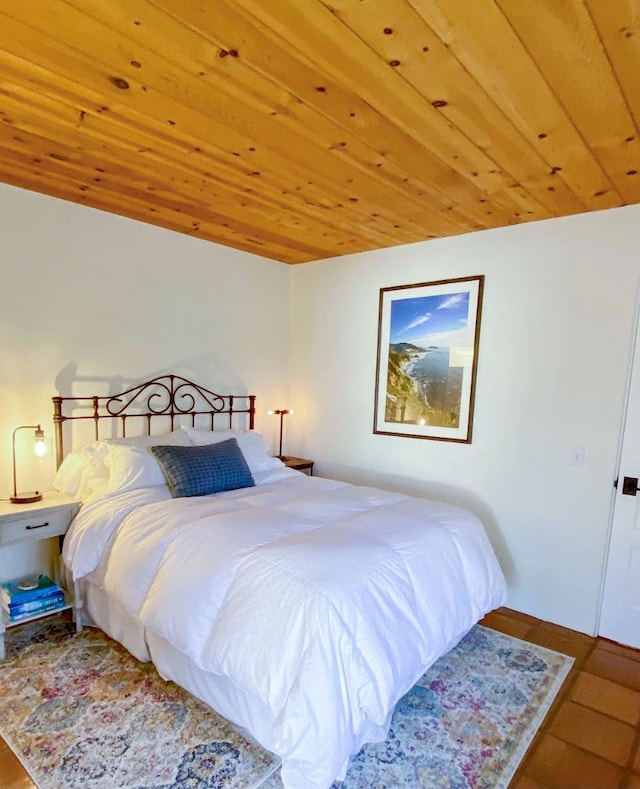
(281, 412)
(40, 450)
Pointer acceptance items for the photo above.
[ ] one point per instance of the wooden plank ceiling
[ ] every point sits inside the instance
(305, 129)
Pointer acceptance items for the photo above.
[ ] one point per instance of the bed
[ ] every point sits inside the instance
(300, 608)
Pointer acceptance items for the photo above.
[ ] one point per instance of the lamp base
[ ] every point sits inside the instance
(26, 498)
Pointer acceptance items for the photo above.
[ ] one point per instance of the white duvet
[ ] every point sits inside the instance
(322, 601)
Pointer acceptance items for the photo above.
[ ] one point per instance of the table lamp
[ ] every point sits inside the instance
(40, 450)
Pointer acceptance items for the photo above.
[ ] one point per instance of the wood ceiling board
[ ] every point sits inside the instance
(147, 194)
(102, 171)
(64, 171)
(618, 24)
(112, 113)
(154, 105)
(352, 117)
(320, 37)
(33, 180)
(300, 117)
(190, 196)
(568, 44)
(126, 148)
(392, 32)
(301, 131)
(489, 48)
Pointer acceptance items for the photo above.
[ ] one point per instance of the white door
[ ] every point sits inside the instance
(620, 611)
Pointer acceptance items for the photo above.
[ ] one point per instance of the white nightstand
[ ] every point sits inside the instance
(41, 520)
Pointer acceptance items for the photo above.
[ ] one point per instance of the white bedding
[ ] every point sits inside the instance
(320, 601)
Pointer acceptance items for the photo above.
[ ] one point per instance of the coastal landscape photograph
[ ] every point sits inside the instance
(428, 357)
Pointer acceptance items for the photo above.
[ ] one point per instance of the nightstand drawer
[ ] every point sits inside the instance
(37, 526)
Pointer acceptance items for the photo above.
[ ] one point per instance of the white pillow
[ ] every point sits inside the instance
(253, 446)
(132, 466)
(67, 478)
(100, 467)
(82, 473)
(174, 438)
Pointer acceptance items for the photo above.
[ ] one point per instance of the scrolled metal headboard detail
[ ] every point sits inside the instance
(168, 396)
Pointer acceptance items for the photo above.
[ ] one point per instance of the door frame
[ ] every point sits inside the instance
(635, 342)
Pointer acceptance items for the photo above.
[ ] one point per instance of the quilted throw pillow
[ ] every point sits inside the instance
(201, 471)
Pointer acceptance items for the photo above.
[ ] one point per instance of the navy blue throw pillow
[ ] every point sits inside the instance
(200, 471)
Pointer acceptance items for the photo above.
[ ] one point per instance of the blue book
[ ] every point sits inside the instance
(25, 589)
(33, 605)
(24, 610)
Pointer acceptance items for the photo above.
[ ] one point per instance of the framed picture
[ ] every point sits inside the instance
(428, 337)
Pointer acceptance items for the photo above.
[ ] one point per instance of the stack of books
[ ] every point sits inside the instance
(31, 596)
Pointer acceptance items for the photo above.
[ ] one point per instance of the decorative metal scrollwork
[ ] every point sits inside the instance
(158, 398)
(165, 396)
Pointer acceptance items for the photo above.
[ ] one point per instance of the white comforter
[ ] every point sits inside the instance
(322, 601)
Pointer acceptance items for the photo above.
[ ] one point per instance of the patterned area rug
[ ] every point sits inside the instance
(79, 711)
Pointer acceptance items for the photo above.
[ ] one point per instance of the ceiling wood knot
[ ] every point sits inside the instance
(394, 63)
(388, 31)
(136, 64)
(120, 83)
(439, 103)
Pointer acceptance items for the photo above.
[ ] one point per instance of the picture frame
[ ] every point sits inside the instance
(427, 359)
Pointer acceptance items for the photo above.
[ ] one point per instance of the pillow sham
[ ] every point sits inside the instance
(67, 478)
(175, 437)
(253, 445)
(203, 470)
(130, 464)
(84, 472)
(97, 469)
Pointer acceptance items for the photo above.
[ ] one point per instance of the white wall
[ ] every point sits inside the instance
(558, 321)
(87, 295)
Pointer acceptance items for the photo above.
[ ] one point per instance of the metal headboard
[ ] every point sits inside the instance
(169, 397)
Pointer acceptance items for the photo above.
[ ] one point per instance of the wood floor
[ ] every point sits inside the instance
(589, 739)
